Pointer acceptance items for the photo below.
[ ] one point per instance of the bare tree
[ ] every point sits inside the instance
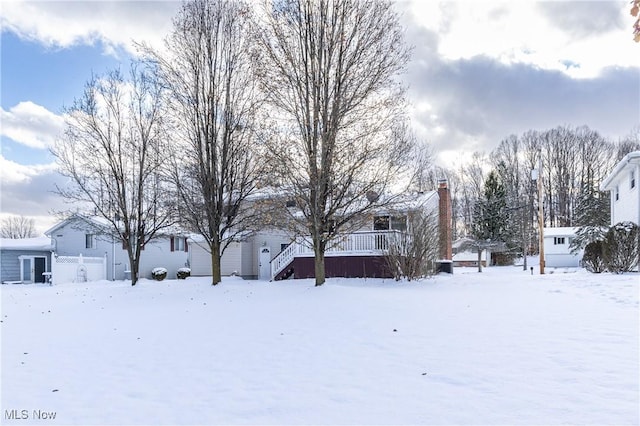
(635, 12)
(207, 70)
(328, 68)
(413, 254)
(112, 152)
(17, 227)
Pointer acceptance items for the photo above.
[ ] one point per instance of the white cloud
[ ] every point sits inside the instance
(31, 125)
(546, 35)
(12, 173)
(68, 23)
(29, 191)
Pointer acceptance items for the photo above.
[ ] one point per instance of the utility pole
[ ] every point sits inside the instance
(536, 174)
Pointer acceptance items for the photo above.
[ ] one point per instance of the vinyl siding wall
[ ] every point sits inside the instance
(10, 263)
(70, 240)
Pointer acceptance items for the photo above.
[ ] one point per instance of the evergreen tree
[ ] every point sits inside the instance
(592, 215)
(490, 226)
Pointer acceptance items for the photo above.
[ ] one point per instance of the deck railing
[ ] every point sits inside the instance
(361, 243)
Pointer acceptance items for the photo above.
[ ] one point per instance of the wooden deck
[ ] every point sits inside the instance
(354, 255)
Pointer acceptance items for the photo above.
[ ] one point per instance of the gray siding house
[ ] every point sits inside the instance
(26, 260)
(76, 236)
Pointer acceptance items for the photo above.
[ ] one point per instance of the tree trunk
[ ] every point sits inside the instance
(319, 266)
(216, 276)
(479, 259)
(135, 267)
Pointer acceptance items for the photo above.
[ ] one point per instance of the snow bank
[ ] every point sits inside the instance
(500, 347)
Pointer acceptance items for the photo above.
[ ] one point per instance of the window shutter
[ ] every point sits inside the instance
(186, 246)
(171, 244)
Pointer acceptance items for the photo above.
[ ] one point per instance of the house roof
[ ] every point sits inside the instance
(560, 231)
(628, 161)
(93, 220)
(24, 244)
(102, 223)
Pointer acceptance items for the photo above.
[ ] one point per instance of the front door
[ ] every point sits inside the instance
(264, 265)
(27, 273)
(39, 266)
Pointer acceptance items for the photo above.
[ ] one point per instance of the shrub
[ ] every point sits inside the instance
(159, 274)
(593, 259)
(412, 254)
(183, 273)
(621, 247)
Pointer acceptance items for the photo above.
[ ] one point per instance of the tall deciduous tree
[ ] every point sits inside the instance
(112, 152)
(17, 227)
(328, 68)
(635, 12)
(207, 69)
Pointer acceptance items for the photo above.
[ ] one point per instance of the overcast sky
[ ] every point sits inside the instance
(480, 71)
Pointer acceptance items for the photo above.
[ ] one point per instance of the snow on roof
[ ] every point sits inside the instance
(630, 158)
(104, 225)
(24, 244)
(560, 231)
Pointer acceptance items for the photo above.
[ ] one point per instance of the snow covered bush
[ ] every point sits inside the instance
(593, 259)
(183, 273)
(159, 274)
(621, 247)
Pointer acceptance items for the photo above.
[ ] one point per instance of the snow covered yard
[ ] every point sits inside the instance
(501, 347)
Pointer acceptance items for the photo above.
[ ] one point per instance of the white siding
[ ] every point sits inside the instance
(231, 261)
(273, 239)
(69, 240)
(248, 256)
(158, 254)
(627, 206)
(199, 259)
(556, 253)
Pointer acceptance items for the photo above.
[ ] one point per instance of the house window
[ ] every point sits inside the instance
(633, 179)
(617, 192)
(89, 241)
(385, 223)
(399, 223)
(178, 244)
(558, 241)
(381, 223)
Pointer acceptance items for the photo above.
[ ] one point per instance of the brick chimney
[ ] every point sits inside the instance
(445, 220)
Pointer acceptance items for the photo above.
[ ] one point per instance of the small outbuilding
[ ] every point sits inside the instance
(25, 260)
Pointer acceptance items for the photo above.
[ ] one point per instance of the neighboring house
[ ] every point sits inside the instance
(463, 256)
(623, 184)
(82, 236)
(556, 248)
(272, 254)
(25, 260)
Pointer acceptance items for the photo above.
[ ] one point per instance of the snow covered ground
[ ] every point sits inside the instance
(501, 347)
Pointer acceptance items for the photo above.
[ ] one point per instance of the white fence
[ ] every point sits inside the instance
(78, 269)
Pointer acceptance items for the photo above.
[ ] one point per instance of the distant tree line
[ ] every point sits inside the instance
(494, 196)
(15, 227)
